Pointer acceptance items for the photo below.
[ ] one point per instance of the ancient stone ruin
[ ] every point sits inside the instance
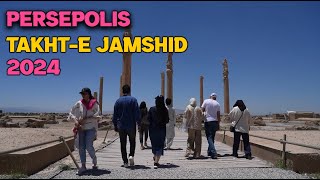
(35, 123)
(6, 122)
(258, 121)
(48, 118)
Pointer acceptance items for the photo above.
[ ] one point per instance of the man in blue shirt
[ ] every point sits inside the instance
(125, 117)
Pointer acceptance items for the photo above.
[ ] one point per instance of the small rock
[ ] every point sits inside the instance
(306, 128)
(312, 123)
(104, 123)
(12, 125)
(35, 123)
(51, 122)
(259, 121)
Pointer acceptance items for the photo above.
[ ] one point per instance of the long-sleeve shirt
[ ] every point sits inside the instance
(154, 118)
(172, 122)
(91, 116)
(194, 117)
(244, 123)
(126, 113)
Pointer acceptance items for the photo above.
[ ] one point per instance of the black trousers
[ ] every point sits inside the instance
(123, 140)
(144, 131)
(246, 143)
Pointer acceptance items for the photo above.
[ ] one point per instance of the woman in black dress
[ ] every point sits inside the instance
(158, 118)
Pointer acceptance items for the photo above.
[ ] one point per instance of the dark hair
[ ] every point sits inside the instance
(87, 90)
(162, 111)
(241, 105)
(126, 89)
(143, 105)
(168, 101)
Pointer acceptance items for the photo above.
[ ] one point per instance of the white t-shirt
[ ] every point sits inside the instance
(212, 107)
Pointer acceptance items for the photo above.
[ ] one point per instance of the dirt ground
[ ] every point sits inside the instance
(13, 138)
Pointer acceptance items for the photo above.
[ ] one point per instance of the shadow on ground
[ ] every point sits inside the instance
(168, 166)
(98, 172)
(136, 167)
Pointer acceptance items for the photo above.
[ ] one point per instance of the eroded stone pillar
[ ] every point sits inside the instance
(101, 93)
(169, 77)
(126, 66)
(226, 86)
(162, 84)
(201, 90)
(121, 84)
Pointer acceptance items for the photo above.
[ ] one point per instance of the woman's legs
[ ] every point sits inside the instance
(82, 148)
(146, 136)
(90, 137)
(236, 143)
(141, 137)
(246, 142)
(191, 140)
(198, 143)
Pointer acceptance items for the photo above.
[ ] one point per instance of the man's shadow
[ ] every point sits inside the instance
(95, 172)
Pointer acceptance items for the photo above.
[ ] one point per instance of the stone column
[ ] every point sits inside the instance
(95, 95)
(162, 84)
(169, 77)
(226, 87)
(121, 84)
(201, 91)
(101, 93)
(126, 66)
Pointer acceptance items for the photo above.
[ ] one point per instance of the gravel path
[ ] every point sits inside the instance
(180, 173)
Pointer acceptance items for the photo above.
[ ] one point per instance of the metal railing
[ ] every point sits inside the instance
(283, 141)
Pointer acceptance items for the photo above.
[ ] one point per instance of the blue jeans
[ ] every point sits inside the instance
(86, 138)
(211, 129)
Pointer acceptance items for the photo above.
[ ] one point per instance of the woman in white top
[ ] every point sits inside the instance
(170, 129)
(85, 114)
(241, 120)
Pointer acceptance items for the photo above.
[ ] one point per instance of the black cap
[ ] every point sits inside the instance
(85, 90)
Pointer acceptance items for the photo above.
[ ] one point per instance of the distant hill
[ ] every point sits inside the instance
(43, 110)
(28, 110)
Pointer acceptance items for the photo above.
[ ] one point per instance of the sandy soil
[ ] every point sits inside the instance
(13, 138)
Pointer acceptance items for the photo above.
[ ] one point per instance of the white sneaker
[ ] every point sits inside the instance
(126, 165)
(131, 161)
(82, 170)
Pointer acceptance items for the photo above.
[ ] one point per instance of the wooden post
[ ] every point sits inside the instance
(101, 94)
(284, 157)
(104, 141)
(69, 151)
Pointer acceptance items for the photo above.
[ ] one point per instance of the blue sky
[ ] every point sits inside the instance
(273, 50)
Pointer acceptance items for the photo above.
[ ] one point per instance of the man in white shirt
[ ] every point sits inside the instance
(211, 108)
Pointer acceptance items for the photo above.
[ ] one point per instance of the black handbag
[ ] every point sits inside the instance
(233, 128)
